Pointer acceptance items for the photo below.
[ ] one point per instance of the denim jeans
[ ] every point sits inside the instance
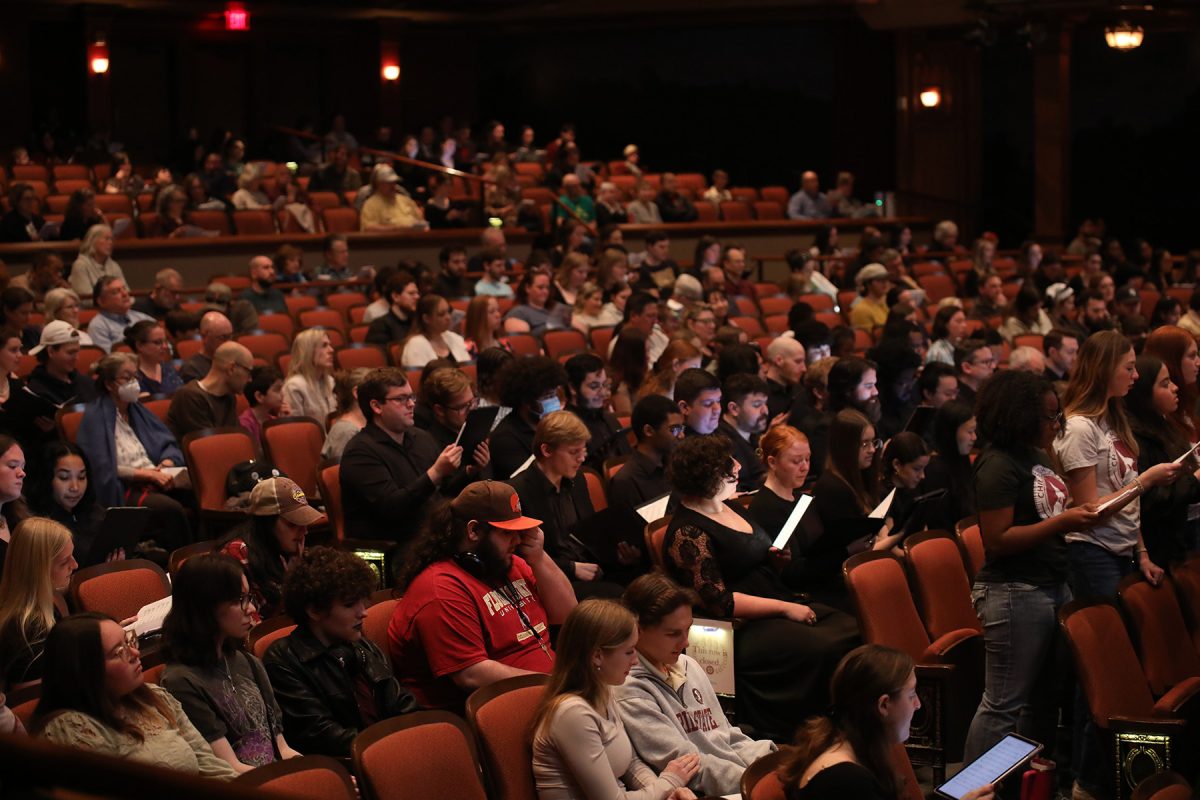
(1024, 659)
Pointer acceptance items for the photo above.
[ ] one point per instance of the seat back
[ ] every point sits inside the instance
(340, 220)
(329, 479)
(305, 778)
(294, 446)
(940, 579)
(1186, 576)
(501, 715)
(267, 633)
(655, 536)
(265, 344)
(422, 754)
(600, 338)
(210, 455)
(1159, 631)
(972, 549)
(902, 764)
(375, 626)
(68, 419)
(1107, 667)
(886, 612)
(761, 780)
(256, 222)
(181, 554)
(118, 588)
(322, 318)
(158, 408)
(595, 487)
(353, 356)
(1167, 785)
(564, 342)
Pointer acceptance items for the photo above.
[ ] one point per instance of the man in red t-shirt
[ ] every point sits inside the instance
(475, 612)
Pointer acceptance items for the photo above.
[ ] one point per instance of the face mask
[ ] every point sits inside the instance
(549, 405)
(726, 490)
(128, 392)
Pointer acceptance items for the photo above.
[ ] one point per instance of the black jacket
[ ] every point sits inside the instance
(80, 389)
(560, 511)
(511, 445)
(753, 473)
(314, 686)
(388, 329)
(608, 437)
(1166, 528)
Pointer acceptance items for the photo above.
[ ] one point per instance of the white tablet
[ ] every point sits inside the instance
(993, 766)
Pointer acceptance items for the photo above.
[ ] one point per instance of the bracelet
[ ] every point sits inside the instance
(1137, 551)
(1137, 479)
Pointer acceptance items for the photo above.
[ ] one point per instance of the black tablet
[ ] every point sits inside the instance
(122, 527)
(992, 767)
(477, 428)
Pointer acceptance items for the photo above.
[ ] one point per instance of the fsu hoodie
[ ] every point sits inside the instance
(667, 716)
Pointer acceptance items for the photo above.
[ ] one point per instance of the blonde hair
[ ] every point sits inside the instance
(304, 352)
(559, 428)
(1086, 394)
(56, 299)
(587, 290)
(476, 326)
(26, 594)
(604, 266)
(570, 262)
(592, 625)
(89, 239)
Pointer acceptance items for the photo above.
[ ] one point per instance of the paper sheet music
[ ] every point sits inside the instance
(655, 509)
(522, 468)
(881, 510)
(150, 617)
(789, 527)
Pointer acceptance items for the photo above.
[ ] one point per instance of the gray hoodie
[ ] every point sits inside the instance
(664, 724)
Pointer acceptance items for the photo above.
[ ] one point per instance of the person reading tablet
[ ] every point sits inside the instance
(785, 650)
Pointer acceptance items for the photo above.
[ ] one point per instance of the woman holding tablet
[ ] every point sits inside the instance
(848, 754)
(1024, 519)
(785, 651)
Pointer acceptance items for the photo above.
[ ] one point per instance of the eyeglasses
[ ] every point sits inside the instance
(127, 651)
(246, 603)
(872, 444)
(598, 387)
(676, 430)
(987, 362)
(1056, 419)
(468, 406)
(402, 399)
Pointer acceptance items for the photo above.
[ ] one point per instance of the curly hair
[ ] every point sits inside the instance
(699, 464)
(1010, 409)
(321, 577)
(440, 537)
(527, 379)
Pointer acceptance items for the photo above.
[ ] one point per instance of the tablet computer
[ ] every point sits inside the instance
(122, 527)
(992, 767)
(477, 428)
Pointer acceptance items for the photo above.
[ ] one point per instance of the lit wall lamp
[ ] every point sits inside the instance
(1124, 37)
(98, 56)
(391, 71)
(930, 97)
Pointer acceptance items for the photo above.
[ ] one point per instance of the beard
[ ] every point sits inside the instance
(495, 563)
(871, 409)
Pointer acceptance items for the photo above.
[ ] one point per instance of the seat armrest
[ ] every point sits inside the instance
(1182, 694)
(1163, 727)
(934, 673)
(940, 649)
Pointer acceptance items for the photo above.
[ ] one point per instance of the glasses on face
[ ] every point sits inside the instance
(245, 603)
(1057, 419)
(600, 387)
(872, 444)
(987, 362)
(676, 430)
(467, 406)
(127, 650)
(402, 399)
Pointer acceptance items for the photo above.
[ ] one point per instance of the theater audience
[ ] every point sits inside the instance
(744, 418)
(529, 386)
(1027, 317)
(331, 681)
(16, 306)
(215, 330)
(112, 298)
(261, 293)
(94, 698)
(658, 425)
(155, 374)
(211, 402)
(580, 747)
(45, 273)
(394, 326)
(164, 295)
(95, 260)
(22, 223)
(678, 355)
(37, 571)
(494, 282)
(223, 689)
(870, 310)
(477, 555)
(810, 202)
(387, 209)
(588, 392)
(308, 390)
(1060, 348)
(264, 398)
(481, 329)
(662, 725)
(784, 365)
(628, 364)
(954, 437)
(535, 310)
(430, 336)
(55, 377)
(905, 458)
(974, 364)
(698, 397)
(63, 493)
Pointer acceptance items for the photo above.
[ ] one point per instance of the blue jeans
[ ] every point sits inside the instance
(1024, 659)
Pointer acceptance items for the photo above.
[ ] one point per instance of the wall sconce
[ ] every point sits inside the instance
(391, 71)
(1124, 37)
(98, 56)
(930, 97)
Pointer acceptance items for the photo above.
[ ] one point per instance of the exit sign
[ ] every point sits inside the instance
(237, 18)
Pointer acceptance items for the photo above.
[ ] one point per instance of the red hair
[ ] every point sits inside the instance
(1170, 343)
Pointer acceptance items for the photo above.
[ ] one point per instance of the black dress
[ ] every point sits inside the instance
(839, 782)
(783, 667)
(770, 512)
(837, 529)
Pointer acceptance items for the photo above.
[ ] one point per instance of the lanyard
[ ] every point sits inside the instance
(510, 594)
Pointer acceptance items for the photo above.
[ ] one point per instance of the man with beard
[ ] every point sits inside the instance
(1095, 313)
(479, 596)
(261, 294)
(658, 425)
(851, 384)
(698, 395)
(589, 389)
(744, 417)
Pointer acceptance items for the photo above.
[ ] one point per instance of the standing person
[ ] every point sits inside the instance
(668, 704)
(308, 390)
(580, 747)
(431, 337)
(847, 754)
(37, 571)
(1099, 453)
(1177, 350)
(223, 689)
(95, 698)
(786, 650)
(1023, 518)
(1168, 528)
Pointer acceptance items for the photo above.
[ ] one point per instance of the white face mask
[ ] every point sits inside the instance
(726, 491)
(128, 392)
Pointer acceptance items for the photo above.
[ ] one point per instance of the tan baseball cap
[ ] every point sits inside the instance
(283, 497)
(494, 503)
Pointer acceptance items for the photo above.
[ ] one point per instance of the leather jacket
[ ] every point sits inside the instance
(314, 686)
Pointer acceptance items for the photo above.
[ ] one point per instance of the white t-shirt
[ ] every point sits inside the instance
(1088, 442)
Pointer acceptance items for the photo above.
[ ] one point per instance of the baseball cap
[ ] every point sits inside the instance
(385, 174)
(1127, 294)
(1057, 292)
(871, 272)
(283, 497)
(55, 333)
(494, 503)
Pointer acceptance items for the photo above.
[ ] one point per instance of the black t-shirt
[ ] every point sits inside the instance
(1023, 480)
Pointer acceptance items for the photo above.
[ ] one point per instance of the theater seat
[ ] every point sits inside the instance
(258, 222)
(428, 754)
(266, 633)
(768, 210)
(210, 454)
(304, 778)
(1159, 631)
(340, 220)
(501, 716)
(761, 781)
(212, 221)
(940, 580)
(293, 444)
(353, 356)
(118, 588)
(735, 211)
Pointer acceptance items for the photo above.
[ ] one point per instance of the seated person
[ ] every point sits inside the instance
(786, 650)
(403, 295)
(580, 747)
(430, 336)
(529, 386)
(261, 293)
(786, 455)
(115, 306)
(330, 680)
(211, 402)
(95, 698)
(223, 689)
(478, 555)
(743, 419)
(272, 541)
(348, 418)
(308, 386)
(552, 489)
(155, 374)
(37, 571)
(698, 395)
(215, 330)
(904, 462)
(55, 378)
(264, 395)
(63, 493)
(387, 209)
(449, 398)
(391, 468)
(659, 722)
(658, 426)
(589, 391)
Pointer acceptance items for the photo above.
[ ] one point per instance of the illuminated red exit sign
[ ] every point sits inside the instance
(237, 18)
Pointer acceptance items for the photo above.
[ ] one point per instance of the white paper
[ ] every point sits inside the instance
(793, 520)
(1130, 489)
(1191, 450)
(172, 471)
(150, 617)
(655, 509)
(881, 510)
(522, 468)
(460, 433)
